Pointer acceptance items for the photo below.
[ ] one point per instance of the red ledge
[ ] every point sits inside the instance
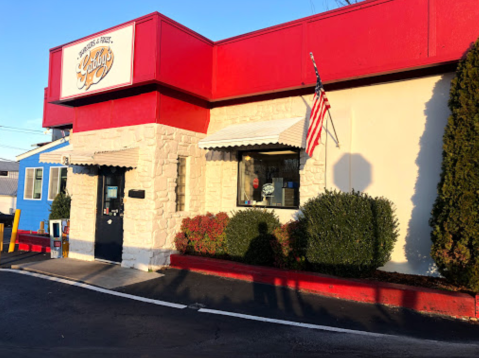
(419, 299)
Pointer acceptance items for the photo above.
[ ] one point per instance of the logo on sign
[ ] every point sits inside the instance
(95, 63)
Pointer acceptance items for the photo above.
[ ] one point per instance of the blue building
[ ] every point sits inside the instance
(38, 184)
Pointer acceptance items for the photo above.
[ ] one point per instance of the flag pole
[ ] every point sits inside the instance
(329, 113)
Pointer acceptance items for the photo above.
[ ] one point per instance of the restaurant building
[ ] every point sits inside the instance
(167, 124)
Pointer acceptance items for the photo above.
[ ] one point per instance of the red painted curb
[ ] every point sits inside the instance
(415, 298)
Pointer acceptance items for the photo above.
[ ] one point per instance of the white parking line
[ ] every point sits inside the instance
(98, 289)
(291, 323)
(202, 310)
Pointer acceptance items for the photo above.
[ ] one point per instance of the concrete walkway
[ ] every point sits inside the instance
(91, 272)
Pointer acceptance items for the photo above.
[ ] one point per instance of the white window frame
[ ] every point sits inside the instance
(33, 186)
(50, 177)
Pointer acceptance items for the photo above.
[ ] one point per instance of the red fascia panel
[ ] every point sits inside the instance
(93, 116)
(130, 111)
(377, 37)
(370, 38)
(54, 76)
(126, 111)
(453, 26)
(376, 40)
(182, 111)
(146, 50)
(264, 62)
(169, 107)
(186, 60)
(55, 115)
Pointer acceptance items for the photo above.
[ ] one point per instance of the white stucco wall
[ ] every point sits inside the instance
(391, 136)
(391, 144)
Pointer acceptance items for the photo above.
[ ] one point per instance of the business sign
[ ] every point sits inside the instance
(98, 63)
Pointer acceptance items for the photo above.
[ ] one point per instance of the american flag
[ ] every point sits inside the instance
(316, 119)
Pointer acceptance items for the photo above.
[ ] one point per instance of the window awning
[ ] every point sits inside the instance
(288, 132)
(127, 158)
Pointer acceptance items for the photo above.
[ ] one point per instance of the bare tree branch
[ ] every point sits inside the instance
(346, 2)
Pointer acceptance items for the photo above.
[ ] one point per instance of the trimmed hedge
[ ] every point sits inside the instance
(348, 234)
(203, 235)
(249, 234)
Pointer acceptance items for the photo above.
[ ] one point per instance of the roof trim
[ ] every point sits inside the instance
(42, 148)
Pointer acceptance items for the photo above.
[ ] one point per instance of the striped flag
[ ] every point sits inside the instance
(316, 119)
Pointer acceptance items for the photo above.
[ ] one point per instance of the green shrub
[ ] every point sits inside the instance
(348, 234)
(203, 235)
(455, 215)
(249, 234)
(288, 246)
(60, 208)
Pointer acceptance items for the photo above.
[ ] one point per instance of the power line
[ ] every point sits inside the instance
(8, 160)
(313, 9)
(25, 130)
(10, 147)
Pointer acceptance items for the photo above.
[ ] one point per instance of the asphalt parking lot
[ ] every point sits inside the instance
(67, 321)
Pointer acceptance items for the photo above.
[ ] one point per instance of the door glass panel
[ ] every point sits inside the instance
(112, 200)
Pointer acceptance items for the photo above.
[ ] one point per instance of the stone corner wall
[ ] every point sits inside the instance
(149, 224)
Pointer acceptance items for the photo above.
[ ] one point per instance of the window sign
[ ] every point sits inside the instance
(269, 179)
(111, 192)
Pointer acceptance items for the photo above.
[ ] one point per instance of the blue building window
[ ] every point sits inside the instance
(58, 181)
(33, 183)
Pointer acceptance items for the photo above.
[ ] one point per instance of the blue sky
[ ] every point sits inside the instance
(29, 28)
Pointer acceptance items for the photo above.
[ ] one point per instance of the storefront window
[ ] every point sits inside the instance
(269, 179)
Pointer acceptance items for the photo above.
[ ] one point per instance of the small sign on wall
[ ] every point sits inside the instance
(98, 63)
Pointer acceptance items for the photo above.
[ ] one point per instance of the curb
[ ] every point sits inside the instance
(460, 305)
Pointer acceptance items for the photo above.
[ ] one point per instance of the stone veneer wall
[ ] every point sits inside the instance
(222, 167)
(149, 224)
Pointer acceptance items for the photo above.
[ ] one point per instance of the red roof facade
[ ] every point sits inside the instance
(179, 74)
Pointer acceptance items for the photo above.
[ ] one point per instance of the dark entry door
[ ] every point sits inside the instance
(109, 219)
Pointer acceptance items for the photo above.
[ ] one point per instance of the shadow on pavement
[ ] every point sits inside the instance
(264, 300)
